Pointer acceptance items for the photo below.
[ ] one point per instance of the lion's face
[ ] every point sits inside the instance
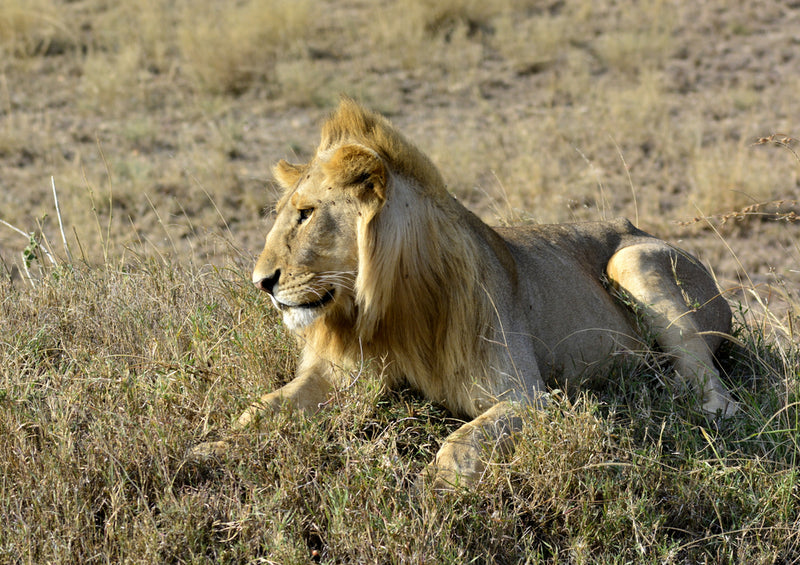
(310, 261)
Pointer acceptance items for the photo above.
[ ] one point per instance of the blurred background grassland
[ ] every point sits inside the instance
(542, 111)
(159, 120)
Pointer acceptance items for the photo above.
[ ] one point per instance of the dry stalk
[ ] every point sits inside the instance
(758, 209)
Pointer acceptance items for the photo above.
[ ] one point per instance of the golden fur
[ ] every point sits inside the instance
(371, 257)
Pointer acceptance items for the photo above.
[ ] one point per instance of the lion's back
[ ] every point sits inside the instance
(589, 244)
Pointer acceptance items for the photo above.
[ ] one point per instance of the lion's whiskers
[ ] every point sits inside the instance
(345, 279)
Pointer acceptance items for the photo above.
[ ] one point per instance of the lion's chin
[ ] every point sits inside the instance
(297, 318)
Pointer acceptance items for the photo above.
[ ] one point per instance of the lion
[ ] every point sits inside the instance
(370, 256)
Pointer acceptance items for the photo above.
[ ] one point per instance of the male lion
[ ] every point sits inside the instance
(371, 257)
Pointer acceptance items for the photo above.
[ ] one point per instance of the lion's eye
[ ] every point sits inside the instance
(305, 213)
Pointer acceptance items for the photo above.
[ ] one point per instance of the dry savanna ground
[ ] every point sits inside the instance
(130, 332)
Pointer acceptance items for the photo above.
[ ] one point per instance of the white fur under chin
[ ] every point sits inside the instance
(298, 318)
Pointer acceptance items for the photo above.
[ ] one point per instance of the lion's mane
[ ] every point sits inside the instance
(420, 297)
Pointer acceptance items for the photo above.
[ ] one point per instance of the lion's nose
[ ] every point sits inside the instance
(268, 283)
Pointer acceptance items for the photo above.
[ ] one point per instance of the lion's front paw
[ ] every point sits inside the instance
(457, 464)
(267, 404)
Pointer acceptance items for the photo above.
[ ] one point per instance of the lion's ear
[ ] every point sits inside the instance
(286, 173)
(360, 168)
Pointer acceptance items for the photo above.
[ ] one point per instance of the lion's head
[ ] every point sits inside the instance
(310, 261)
(368, 253)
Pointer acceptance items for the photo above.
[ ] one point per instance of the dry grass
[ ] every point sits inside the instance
(109, 375)
(159, 121)
(228, 50)
(30, 28)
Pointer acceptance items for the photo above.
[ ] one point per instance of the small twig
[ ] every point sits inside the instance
(27, 272)
(752, 210)
(107, 239)
(630, 181)
(779, 140)
(24, 262)
(16, 229)
(60, 223)
(28, 236)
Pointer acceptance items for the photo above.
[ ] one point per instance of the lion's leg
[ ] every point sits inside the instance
(680, 303)
(305, 393)
(462, 457)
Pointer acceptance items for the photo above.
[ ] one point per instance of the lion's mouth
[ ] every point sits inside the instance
(326, 298)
